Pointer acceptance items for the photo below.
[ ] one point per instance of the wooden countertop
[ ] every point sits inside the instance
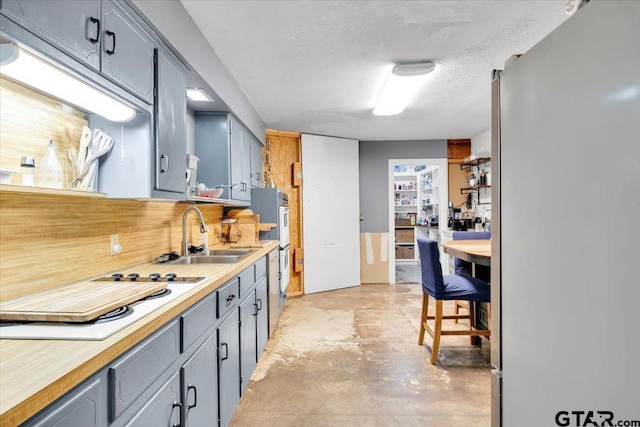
(476, 251)
(34, 373)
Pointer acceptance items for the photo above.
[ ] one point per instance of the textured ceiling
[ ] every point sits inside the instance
(318, 66)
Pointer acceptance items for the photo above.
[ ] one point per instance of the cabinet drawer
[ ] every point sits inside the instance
(196, 320)
(247, 280)
(135, 372)
(261, 268)
(228, 296)
(85, 408)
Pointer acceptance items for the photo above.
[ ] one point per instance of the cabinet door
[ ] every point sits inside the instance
(84, 408)
(256, 163)
(236, 146)
(127, 51)
(248, 313)
(163, 409)
(246, 165)
(200, 386)
(72, 26)
(171, 128)
(229, 367)
(262, 319)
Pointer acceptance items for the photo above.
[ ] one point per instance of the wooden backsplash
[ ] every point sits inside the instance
(47, 240)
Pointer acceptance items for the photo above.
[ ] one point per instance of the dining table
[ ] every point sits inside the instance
(477, 252)
(474, 251)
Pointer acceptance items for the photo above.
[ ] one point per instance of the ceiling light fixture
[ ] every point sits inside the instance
(401, 86)
(197, 94)
(23, 67)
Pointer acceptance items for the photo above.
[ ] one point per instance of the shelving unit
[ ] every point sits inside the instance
(416, 198)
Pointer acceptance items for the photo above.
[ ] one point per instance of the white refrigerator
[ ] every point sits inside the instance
(566, 225)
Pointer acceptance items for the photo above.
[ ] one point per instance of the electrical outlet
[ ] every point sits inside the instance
(115, 244)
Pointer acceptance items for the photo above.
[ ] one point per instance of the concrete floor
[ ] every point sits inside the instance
(350, 358)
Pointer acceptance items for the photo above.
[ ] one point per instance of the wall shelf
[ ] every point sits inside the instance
(473, 189)
(475, 162)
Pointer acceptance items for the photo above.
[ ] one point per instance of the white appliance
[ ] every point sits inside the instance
(272, 204)
(565, 293)
(99, 330)
(283, 225)
(285, 269)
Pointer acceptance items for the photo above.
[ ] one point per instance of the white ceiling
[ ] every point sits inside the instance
(318, 66)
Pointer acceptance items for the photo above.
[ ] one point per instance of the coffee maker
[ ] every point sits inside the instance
(455, 219)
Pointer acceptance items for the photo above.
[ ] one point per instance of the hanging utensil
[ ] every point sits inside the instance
(85, 140)
(101, 146)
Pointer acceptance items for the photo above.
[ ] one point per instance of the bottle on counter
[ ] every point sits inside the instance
(50, 170)
(27, 167)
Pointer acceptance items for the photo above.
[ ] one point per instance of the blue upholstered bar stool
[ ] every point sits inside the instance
(483, 272)
(445, 288)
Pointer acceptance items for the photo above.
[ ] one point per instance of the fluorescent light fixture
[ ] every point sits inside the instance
(197, 94)
(401, 86)
(41, 75)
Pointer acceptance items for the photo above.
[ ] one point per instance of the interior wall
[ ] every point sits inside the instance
(70, 236)
(280, 153)
(374, 175)
(481, 141)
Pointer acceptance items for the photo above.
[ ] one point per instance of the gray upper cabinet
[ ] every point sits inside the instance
(223, 146)
(171, 127)
(256, 163)
(127, 51)
(72, 26)
(99, 34)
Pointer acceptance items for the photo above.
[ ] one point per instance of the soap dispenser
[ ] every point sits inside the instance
(50, 171)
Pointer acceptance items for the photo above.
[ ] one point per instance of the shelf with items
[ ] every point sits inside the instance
(470, 164)
(473, 189)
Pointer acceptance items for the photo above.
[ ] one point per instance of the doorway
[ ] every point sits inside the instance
(418, 192)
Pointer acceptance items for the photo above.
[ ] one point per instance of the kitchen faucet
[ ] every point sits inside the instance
(203, 228)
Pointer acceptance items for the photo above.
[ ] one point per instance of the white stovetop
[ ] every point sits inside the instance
(96, 331)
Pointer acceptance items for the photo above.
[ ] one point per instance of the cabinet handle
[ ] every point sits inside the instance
(226, 355)
(164, 163)
(230, 298)
(113, 37)
(259, 304)
(195, 395)
(179, 406)
(255, 309)
(97, 22)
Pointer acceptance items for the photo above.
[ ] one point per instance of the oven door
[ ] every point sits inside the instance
(285, 269)
(283, 226)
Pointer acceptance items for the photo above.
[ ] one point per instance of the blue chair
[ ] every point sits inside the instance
(483, 272)
(445, 288)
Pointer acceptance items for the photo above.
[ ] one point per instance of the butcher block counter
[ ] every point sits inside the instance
(34, 373)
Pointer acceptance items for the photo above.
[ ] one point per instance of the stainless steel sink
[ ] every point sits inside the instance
(214, 256)
(226, 252)
(208, 259)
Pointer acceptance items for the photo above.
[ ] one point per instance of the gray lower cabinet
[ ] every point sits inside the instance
(229, 366)
(163, 409)
(84, 406)
(248, 361)
(138, 370)
(200, 386)
(262, 317)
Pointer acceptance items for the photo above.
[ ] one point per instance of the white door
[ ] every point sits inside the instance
(330, 212)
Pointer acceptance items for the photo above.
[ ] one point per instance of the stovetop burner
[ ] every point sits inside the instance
(157, 294)
(153, 277)
(116, 314)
